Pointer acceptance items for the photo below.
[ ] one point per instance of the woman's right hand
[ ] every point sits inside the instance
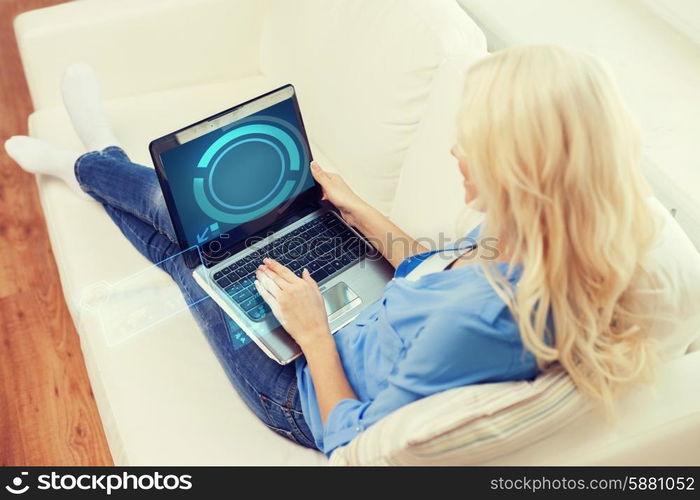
(335, 190)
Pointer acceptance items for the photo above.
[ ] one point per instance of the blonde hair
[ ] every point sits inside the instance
(554, 158)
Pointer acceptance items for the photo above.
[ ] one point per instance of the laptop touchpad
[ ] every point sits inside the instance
(339, 299)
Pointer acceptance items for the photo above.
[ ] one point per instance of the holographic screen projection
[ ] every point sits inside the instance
(148, 298)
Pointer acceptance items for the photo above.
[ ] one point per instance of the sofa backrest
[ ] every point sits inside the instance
(371, 65)
(633, 39)
(429, 198)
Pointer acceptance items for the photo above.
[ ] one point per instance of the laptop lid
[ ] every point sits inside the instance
(236, 175)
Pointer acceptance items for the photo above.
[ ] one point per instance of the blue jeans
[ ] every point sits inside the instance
(132, 197)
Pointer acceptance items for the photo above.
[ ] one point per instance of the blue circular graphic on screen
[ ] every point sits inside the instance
(233, 173)
(250, 170)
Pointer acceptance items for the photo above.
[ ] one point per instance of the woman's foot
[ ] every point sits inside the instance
(39, 157)
(83, 100)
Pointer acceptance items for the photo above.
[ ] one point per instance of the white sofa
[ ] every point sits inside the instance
(378, 82)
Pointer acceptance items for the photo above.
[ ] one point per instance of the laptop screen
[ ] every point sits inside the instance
(234, 174)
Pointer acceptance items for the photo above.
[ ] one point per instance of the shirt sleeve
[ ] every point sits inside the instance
(449, 351)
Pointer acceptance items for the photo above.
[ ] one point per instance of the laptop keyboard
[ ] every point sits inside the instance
(325, 246)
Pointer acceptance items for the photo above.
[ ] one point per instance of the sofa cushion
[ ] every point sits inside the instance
(673, 262)
(358, 77)
(544, 422)
(468, 425)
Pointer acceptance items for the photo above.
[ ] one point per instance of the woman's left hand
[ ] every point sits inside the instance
(296, 302)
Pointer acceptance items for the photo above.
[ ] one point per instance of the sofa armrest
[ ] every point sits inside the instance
(137, 46)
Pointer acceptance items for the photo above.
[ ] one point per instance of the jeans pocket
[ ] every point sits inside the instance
(299, 435)
(275, 419)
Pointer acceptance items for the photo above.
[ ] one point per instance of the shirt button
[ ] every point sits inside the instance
(358, 428)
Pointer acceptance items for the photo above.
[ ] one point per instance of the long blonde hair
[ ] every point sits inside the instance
(554, 158)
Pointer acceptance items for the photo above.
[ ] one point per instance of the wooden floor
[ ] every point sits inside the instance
(47, 410)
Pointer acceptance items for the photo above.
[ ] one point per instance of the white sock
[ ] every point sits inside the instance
(83, 100)
(39, 157)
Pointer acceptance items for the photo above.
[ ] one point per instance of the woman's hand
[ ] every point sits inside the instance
(296, 302)
(335, 190)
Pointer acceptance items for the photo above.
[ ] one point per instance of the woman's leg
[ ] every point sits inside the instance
(269, 389)
(112, 179)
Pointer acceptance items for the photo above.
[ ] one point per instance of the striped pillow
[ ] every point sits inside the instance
(468, 425)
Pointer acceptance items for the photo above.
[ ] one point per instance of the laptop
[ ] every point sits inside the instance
(238, 187)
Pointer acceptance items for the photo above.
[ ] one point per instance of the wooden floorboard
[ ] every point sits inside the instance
(48, 414)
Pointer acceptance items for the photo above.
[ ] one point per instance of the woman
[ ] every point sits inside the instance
(547, 152)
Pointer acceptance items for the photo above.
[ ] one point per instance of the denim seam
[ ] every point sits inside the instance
(136, 235)
(284, 406)
(115, 203)
(289, 413)
(291, 392)
(271, 423)
(293, 414)
(78, 164)
(263, 402)
(299, 435)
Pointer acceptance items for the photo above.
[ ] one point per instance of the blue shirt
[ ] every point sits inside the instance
(445, 330)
